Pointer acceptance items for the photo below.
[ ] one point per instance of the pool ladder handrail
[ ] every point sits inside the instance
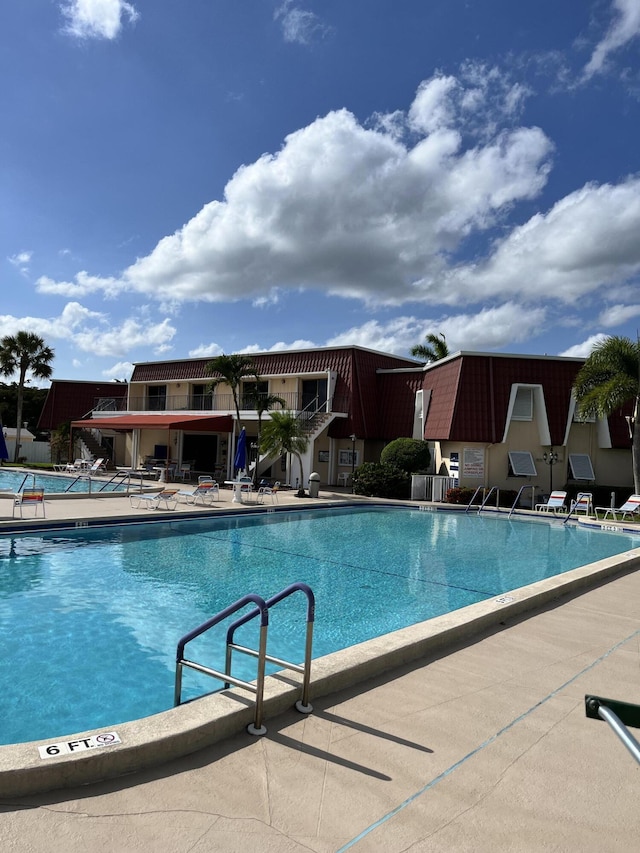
(78, 479)
(575, 503)
(262, 610)
(521, 490)
(119, 475)
(485, 498)
(24, 480)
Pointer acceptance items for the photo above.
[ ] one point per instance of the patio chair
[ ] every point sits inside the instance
(270, 491)
(203, 493)
(630, 507)
(582, 503)
(184, 471)
(29, 497)
(98, 467)
(555, 503)
(75, 467)
(166, 498)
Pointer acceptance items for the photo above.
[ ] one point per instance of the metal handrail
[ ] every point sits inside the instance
(24, 480)
(256, 728)
(484, 502)
(616, 714)
(303, 704)
(479, 489)
(574, 504)
(522, 488)
(77, 480)
(120, 475)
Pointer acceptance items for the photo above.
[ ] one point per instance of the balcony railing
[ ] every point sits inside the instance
(294, 401)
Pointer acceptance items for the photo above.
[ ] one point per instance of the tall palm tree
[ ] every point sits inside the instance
(263, 403)
(435, 349)
(24, 353)
(284, 434)
(232, 370)
(610, 378)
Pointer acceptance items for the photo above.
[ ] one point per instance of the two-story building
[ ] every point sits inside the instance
(492, 419)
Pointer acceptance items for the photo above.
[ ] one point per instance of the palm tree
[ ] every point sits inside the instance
(435, 349)
(284, 434)
(610, 378)
(24, 353)
(263, 403)
(232, 370)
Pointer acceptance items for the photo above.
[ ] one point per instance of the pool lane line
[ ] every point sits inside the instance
(441, 776)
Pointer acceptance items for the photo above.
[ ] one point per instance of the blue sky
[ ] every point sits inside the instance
(190, 177)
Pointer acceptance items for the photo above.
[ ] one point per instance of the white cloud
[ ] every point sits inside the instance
(97, 18)
(91, 331)
(489, 329)
(624, 27)
(298, 25)
(121, 370)
(205, 351)
(616, 315)
(583, 350)
(21, 261)
(81, 286)
(349, 210)
(587, 240)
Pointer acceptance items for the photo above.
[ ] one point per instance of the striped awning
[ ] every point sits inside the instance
(175, 421)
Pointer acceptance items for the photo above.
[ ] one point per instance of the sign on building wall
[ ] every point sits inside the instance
(454, 465)
(473, 462)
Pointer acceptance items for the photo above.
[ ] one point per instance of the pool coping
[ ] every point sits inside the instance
(157, 739)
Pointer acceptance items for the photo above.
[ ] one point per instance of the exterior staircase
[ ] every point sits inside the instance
(94, 448)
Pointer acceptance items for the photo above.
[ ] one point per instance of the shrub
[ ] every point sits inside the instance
(381, 480)
(459, 495)
(408, 454)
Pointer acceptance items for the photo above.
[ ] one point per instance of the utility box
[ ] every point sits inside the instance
(314, 485)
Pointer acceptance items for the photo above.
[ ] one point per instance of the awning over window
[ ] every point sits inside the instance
(581, 467)
(522, 463)
(187, 423)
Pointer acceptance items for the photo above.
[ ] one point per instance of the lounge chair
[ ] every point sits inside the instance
(582, 503)
(269, 491)
(98, 467)
(75, 467)
(184, 471)
(630, 507)
(166, 498)
(29, 497)
(555, 504)
(203, 493)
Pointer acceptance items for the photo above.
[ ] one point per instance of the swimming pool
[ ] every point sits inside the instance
(12, 481)
(90, 619)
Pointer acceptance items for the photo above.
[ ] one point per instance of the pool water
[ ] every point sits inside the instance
(90, 619)
(12, 481)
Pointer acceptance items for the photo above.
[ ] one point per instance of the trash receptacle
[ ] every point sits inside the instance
(314, 485)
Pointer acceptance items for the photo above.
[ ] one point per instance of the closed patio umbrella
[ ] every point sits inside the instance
(240, 459)
(4, 453)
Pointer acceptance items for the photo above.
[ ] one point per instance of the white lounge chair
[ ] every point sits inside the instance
(630, 507)
(98, 467)
(166, 498)
(204, 493)
(555, 504)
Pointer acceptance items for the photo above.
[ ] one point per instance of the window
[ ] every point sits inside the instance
(581, 467)
(201, 397)
(347, 457)
(521, 464)
(251, 390)
(157, 395)
(523, 405)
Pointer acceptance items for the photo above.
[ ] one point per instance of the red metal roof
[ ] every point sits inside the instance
(188, 423)
(69, 399)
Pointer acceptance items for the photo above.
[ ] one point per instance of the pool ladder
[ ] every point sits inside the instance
(261, 610)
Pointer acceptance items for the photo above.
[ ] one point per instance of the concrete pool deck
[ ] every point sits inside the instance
(481, 744)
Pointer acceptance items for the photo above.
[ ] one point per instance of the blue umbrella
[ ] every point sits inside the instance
(240, 459)
(4, 453)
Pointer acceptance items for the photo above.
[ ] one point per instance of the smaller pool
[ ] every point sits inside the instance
(15, 480)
